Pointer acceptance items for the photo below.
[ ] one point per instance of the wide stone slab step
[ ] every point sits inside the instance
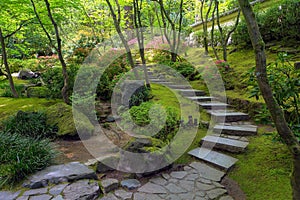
(225, 144)
(191, 92)
(217, 159)
(166, 83)
(213, 105)
(202, 98)
(239, 130)
(60, 173)
(219, 116)
(157, 80)
(180, 86)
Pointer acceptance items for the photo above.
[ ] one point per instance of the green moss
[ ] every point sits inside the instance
(61, 115)
(10, 106)
(263, 171)
(39, 92)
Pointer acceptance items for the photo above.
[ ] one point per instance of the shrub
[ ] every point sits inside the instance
(279, 22)
(142, 94)
(285, 83)
(31, 124)
(147, 113)
(16, 65)
(39, 92)
(54, 81)
(21, 156)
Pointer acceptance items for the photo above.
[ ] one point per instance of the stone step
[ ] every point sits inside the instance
(180, 86)
(157, 80)
(150, 73)
(213, 105)
(225, 144)
(202, 99)
(190, 92)
(163, 83)
(217, 159)
(239, 130)
(231, 116)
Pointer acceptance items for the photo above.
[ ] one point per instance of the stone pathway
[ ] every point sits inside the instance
(197, 181)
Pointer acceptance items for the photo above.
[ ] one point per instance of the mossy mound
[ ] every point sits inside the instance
(39, 92)
(144, 145)
(61, 115)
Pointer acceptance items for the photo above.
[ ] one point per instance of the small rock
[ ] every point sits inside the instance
(204, 187)
(123, 194)
(41, 197)
(82, 190)
(9, 195)
(110, 119)
(226, 198)
(56, 190)
(158, 180)
(175, 189)
(35, 192)
(152, 189)
(109, 197)
(130, 184)
(212, 194)
(59, 197)
(109, 184)
(179, 174)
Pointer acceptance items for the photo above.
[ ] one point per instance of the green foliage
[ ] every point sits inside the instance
(54, 81)
(17, 64)
(285, 82)
(40, 92)
(5, 90)
(21, 156)
(62, 116)
(185, 68)
(31, 124)
(149, 113)
(280, 22)
(142, 94)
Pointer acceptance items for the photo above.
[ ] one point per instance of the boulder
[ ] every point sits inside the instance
(61, 115)
(27, 74)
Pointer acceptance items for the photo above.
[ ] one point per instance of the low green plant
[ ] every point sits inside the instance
(21, 156)
(31, 124)
(150, 114)
(285, 83)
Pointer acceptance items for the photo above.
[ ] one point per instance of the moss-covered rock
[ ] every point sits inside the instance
(61, 116)
(144, 145)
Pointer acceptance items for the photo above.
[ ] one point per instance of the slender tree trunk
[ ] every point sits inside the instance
(212, 34)
(204, 23)
(276, 112)
(118, 29)
(4, 55)
(140, 36)
(64, 91)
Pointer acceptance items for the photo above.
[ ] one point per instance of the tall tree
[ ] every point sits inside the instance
(117, 23)
(224, 37)
(204, 19)
(57, 47)
(4, 57)
(276, 112)
(137, 7)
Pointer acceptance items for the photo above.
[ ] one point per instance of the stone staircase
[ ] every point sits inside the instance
(229, 132)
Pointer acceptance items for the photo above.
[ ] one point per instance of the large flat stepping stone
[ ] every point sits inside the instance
(155, 80)
(6, 195)
(190, 92)
(60, 173)
(202, 99)
(234, 146)
(207, 172)
(82, 189)
(152, 188)
(229, 116)
(215, 158)
(239, 130)
(213, 105)
(180, 86)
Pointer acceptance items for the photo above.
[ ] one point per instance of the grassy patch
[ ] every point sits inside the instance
(263, 171)
(10, 106)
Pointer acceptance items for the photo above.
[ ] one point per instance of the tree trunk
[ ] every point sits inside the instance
(276, 112)
(118, 29)
(64, 91)
(4, 55)
(212, 34)
(140, 37)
